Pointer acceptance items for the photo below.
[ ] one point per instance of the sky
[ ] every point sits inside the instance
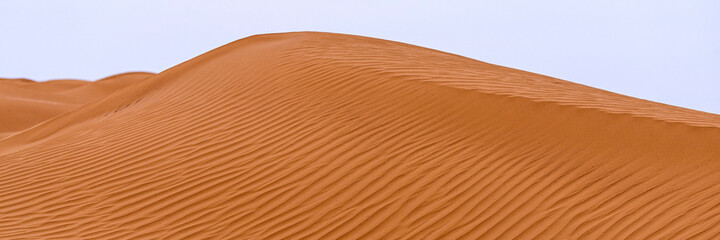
(663, 51)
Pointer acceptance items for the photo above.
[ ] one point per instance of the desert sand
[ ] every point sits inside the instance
(319, 135)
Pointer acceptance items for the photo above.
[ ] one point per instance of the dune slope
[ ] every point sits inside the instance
(318, 135)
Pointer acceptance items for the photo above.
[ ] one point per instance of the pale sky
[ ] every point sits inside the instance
(664, 51)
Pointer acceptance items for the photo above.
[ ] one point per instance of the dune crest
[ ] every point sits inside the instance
(319, 135)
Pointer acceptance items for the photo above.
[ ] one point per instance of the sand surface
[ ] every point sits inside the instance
(317, 135)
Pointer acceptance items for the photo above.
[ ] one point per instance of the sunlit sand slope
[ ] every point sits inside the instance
(317, 135)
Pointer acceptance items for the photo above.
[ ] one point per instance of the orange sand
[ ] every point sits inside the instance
(318, 135)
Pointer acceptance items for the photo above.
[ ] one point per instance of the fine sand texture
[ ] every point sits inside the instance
(331, 136)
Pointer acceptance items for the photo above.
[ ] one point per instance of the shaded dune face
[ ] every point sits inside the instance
(25, 103)
(318, 135)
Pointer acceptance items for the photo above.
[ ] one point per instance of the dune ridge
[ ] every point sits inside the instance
(319, 135)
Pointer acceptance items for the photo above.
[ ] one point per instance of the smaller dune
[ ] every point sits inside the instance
(25, 103)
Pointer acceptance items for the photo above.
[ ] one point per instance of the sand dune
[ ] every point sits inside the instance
(317, 135)
(25, 103)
